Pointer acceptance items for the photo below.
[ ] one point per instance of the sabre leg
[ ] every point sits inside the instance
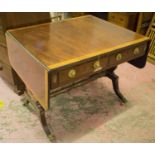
(115, 81)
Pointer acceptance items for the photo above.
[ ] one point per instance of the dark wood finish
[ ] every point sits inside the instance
(56, 57)
(50, 135)
(11, 20)
(114, 78)
(19, 86)
(60, 77)
(34, 106)
(51, 51)
(128, 54)
(82, 70)
(140, 62)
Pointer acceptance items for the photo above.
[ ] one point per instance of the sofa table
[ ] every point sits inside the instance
(53, 58)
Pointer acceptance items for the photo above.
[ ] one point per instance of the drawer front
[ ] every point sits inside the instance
(127, 55)
(78, 72)
(4, 55)
(60, 78)
(6, 72)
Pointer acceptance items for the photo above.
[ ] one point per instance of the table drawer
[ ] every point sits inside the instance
(77, 72)
(127, 55)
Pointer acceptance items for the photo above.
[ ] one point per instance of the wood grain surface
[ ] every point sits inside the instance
(73, 40)
(31, 72)
(44, 55)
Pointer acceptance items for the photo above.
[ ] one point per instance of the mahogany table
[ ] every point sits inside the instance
(53, 58)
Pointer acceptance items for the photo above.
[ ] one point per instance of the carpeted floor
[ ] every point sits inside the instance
(91, 113)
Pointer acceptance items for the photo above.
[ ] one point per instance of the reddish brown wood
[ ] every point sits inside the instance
(57, 43)
(49, 51)
(31, 71)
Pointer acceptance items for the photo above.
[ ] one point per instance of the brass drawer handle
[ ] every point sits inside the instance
(136, 51)
(119, 56)
(72, 73)
(97, 65)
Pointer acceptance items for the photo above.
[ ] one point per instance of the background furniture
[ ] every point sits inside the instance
(151, 34)
(124, 19)
(13, 20)
(144, 19)
(138, 21)
(102, 15)
(75, 14)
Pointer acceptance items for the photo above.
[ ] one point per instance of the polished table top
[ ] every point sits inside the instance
(58, 44)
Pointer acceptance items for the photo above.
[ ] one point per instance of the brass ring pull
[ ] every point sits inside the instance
(72, 73)
(97, 65)
(136, 51)
(119, 56)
